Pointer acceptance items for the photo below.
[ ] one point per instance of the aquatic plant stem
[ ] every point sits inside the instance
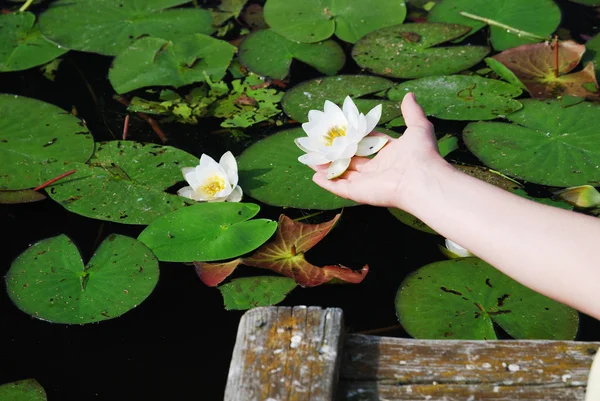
(125, 126)
(155, 127)
(509, 28)
(25, 6)
(555, 43)
(53, 180)
(308, 216)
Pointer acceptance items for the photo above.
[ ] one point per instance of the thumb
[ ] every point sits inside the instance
(413, 113)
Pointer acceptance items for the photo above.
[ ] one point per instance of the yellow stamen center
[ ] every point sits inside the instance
(333, 133)
(214, 185)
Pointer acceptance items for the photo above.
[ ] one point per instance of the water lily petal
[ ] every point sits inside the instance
(213, 181)
(313, 159)
(361, 128)
(229, 164)
(189, 173)
(186, 192)
(592, 391)
(370, 145)
(372, 118)
(457, 249)
(315, 115)
(305, 144)
(337, 168)
(350, 111)
(235, 195)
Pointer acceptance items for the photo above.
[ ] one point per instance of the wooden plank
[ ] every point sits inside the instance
(284, 353)
(385, 368)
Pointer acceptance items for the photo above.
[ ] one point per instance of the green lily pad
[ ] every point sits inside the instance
(460, 97)
(23, 46)
(463, 298)
(251, 292)
(207, 232)
(23, 390)
(410, 220)
(158, 62)
(27, 145)
(50, 282)
(227, 9)
(270, 172)
(406, 51)
(123, 182)
(513, 22)
(592, 53)
(504, 73)
(312, 21)
(110, 26)
(547, 144)
(20, 196)
(269, 54)
(311, 95)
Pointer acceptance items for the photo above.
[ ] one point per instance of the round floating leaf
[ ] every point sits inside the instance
(463, 298)
(50, 282)
(269, 54)
(411, 220)
(460, 97)
(405, 51)
(312, 21)
(251, 292)
(270, 172)
(158, 62)
(512, 22)
(123, 182)
(207, 232)
(548, 144)
(21, 196)
(311, 95)
(23, 390)
(29, 144)
(504, 73)
(592, 52)
(110, 26)
(23, 46)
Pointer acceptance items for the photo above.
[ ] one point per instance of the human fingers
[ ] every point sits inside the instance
(340, 186)
(413, 114)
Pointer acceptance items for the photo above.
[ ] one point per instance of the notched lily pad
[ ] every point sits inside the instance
(311, 95)
(50, 282)
(251, 292)
(23, 46)
(110, 26)
(463, 298)
(460, 97)
(548, 144)
(29, 145)
(269, 54)
(406, 51)
(270, 172)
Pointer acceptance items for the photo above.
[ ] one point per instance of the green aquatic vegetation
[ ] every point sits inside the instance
(463, 299)
(30, 145)
(50, 282)
(251, 292)
(23, 390)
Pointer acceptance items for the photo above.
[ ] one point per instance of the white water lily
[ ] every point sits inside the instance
(335, 135)
(211, 181)
(455, 250)
(592, 391)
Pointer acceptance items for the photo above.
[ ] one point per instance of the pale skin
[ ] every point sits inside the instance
(550, 250)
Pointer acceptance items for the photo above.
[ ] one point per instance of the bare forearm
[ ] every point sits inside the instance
(550, 250)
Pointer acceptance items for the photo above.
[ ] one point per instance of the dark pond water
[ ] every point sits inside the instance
(177, 344)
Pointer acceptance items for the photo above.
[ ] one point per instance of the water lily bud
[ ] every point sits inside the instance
(584, 196)
(335, 135)
(211, 181)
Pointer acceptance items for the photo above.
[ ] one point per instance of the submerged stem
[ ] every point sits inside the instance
(25, 6)
(508, 28)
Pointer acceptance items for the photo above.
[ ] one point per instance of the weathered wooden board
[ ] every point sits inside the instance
(286, 354)
(385, 368)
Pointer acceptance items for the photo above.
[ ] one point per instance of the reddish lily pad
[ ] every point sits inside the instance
(285, 255)
(544, 69)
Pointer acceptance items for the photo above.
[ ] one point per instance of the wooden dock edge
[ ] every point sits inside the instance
(293, 354)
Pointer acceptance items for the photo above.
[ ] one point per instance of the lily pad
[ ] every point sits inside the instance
(23, 390)
(512, 22)
(463, 298)
(406, 51)
(460, 97)
(251, 292)
(312, 21)
(207, 231)
(269, 54)
(270, 172)
(28, 145)
(592, 52)
(110, 26)
(503, 72)
(20, 196)
(227, 9)
(311, 95)
(123, 182)
(50, 282)
(158, 62)
(23, 46)
(544, 68)
(548, 144)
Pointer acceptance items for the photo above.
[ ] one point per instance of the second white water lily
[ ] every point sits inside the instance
(211, 181)
(335, 135)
